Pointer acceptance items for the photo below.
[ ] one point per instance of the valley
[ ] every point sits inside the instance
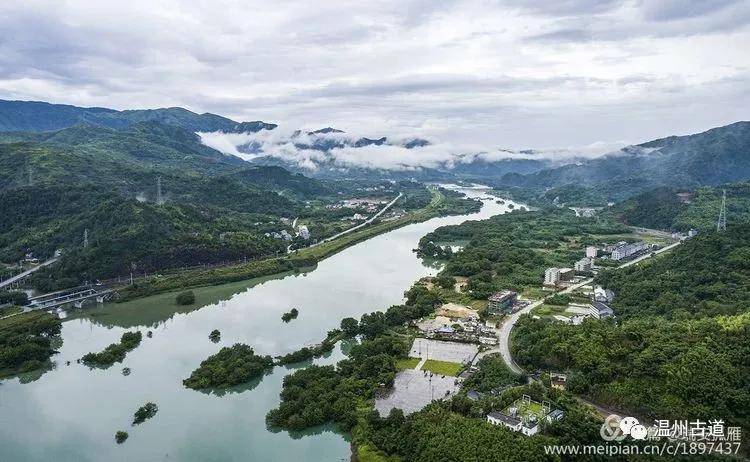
(288, 306)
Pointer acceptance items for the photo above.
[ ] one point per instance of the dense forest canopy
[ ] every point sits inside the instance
(511, 251)
(680, 344)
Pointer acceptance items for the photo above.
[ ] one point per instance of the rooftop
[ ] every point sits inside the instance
(513, 421)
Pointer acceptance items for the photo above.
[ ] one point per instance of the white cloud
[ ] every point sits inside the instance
(390, 156)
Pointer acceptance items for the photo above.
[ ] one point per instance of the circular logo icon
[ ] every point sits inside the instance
(627, 423)
(611, 430)
(638, 432)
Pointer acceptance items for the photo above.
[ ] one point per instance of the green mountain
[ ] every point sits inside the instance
(716, 156)
(681, 209)
(41, 116)
(55, 185)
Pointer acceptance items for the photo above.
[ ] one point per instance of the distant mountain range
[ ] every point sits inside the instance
(41, 116)
(719, 155)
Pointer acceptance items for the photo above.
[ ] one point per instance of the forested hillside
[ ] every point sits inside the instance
(55, 186)
(680, 345)
(712, 157)
(682, 209)
(511, 251)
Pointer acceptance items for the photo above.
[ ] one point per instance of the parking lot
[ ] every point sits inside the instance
(443, 351)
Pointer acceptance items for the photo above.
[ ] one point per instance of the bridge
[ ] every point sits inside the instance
(76, 297)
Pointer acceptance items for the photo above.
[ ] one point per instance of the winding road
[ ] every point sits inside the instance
(504, 331)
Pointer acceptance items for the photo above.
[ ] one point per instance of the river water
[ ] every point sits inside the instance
(71, 412)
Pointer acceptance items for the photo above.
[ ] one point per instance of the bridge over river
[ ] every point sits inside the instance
(76, 296)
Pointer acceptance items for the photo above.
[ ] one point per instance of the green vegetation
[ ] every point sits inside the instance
(14, 298)
(7, 310)
(144, 413)
(350, 327)
(115, 352)
(185, 298)
(679, 349)
(662, 208)
(443, 202)
(407, 363)
(321, 394)
(215, 336)
(229, 367)
(442, 367)
(289, 315)
(558, 299)
(305, 353)
(493, 374)
(713, 157)
(26, 341)
(121, 436)
(511, 251)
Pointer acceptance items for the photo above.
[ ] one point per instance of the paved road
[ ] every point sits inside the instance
(20, 276)
(363, 224)
(510, 321)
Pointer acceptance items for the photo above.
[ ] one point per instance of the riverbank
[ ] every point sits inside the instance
(298, 261)
(360, 279)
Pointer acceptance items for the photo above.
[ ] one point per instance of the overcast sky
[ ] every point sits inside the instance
(511, 73)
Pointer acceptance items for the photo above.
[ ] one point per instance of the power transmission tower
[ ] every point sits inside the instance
(85, 238)
(721, 224)
(159, 199)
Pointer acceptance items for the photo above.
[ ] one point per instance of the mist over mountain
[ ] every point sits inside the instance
(715, 156)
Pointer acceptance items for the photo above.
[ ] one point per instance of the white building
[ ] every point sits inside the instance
(627, 250)
(583, 265)
(524, 421)
(303, 232)
(603, 295)
(551, 276)
(591, 251)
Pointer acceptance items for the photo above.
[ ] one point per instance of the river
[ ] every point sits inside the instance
(71, 412)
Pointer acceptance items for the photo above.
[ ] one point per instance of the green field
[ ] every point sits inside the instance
(407, 363)
(548, 310)
(442, 367)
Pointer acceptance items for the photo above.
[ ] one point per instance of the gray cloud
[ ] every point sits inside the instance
(506, 73)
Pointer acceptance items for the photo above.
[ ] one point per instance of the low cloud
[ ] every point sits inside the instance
(295, 149)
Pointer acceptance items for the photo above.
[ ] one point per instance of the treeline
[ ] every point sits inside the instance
(26, 341)
(511, 251)
(680, 346)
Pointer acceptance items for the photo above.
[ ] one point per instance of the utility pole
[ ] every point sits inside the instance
(85, 238)
(159, 199)
(721, 224)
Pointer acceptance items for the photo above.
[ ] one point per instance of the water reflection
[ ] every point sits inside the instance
(70, 413)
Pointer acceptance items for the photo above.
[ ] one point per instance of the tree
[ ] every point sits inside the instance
(185, 298)
(350, 327)
(144, 413)
(121, 436)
